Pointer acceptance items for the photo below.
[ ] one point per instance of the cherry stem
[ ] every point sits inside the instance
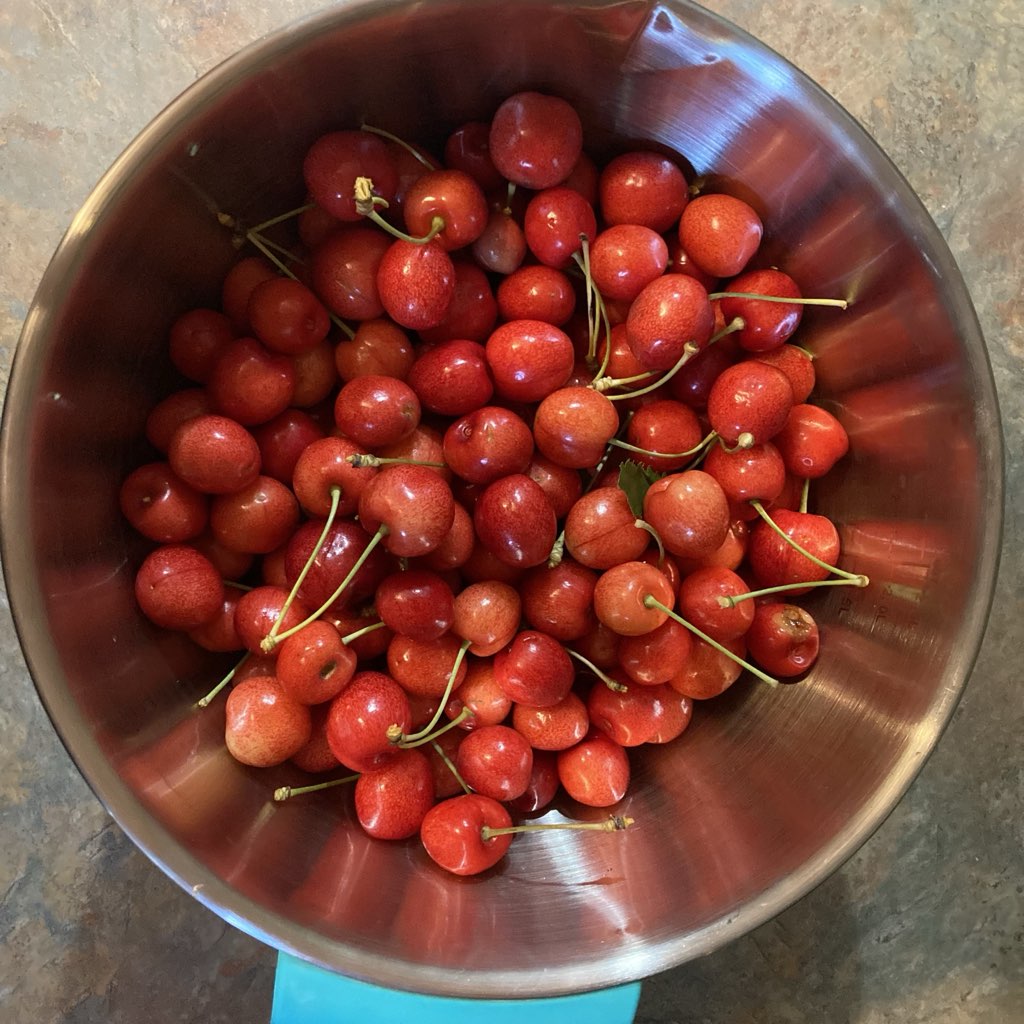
(367, 203)
(690, 349)
(557, 551)
(391, 137)
(804, 495)
(286, 792)
(759, 508)
(207, 700)
(237, 585)
(382, 532)
(743, 442)
(612, 684)
(439, 750)
(454, 723)
(349, 637)
(414, 738)
(731, 600)
(737, 323)
(582, 260)
(838, 303)
(364, 460)
(615, 824)
(650, 601)
(283, 250)
(642, 524)
(664, 455)
(269, 641)
(297, 212)
(602, 383)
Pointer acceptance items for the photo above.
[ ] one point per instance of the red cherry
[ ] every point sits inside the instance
(720, 233)
(452, 834)
(333, 163)
(264, 726)
(343, 271)
(663, 425)
(313, 665)
(360, 718)
(487, 614)
(452, 378)
(423, 667)
(553, 224)
(454, 551)
(699, 603)
(178, 408)
(690, 512)
(777, 563)
(468, 149)
(375, 411)
(749, 398)
(250, 383)
(534, 669)
(161, 506)
(257, 611)
(596, 771)
(413, 503)
(480, 693)
(487, 444)
(256, 519)
(572, 426)
(643, 188)
(214, 454)
(219, 634)
(708, 672)
(600, 530)
(620, 594)
(535, 140)
(638, 715)
(557, 727)
(417, 603)
(197, 339)
(755, 472)
(178, 588)
(324, 465)
(282, 441)
(515, 521)
(783, 639)
(543, 784)
(537, 293)
(501, 247)
(796, 364)
(239, 282)
(624, 259)
(392, 801)
(379, 347)
(455, 198)
(286, 316)
(655, 657)
(558, 599)
(495, 761)
(693, 383)
(416, 283)
(811, 442)
(315, 756)
(562, 485)
(472, 312)
(766, 325)
(670, 312)
(529, 359)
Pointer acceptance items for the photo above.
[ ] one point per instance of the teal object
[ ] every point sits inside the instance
(306, 994)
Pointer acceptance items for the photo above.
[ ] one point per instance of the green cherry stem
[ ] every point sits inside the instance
(689, 351)
(414, 739)
(206, 701)
(557, 551)
(280, 218)
(408, 744)
(350, 637)
(650, 601)
(804, 495)
(269, 641)
(664, 455)
(283, 793)
(382, 532)
(365, 460)
(743, 442)
(367, 203)
(618, 823)
(391, 137)
(838, 303)
(759, 508)
(237, 586)
(737, 323)
(642, 524)
(603, 676)
(439, 750)
(731, 600)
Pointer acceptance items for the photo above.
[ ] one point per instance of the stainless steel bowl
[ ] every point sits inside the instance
(771, 790)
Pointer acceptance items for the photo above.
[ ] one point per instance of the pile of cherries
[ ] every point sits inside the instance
(486, 475)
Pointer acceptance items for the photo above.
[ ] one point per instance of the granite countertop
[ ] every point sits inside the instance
(923, 925)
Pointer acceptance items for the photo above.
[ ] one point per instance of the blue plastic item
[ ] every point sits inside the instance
(305, 994)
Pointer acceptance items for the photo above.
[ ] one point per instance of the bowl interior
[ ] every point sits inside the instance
(769, 790)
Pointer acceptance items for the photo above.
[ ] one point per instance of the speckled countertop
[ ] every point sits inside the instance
(923, 925)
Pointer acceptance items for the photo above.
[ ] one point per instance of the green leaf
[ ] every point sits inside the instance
(635, 479)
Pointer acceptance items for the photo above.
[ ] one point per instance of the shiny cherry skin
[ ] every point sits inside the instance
(334, 161)
(558, 600)
(625, 258)
(423, 667)
(467, 149)
(535, 140)
(534, 670)
(529, 359)
(250, 383)
(556, 727)
(783, 639)
(642, 188)
(536, 292)
(600, 530)
(177, 408)
(282, 441)
(620, 596)
(375, 411)
(755, 472)
(414, 504)
(796, 364)
(562, 485)
(572, 426)
(515, 521)
(161, 506)
(323, 466)
(501, 248)
(664, 425)
(495, 761)
(264, 726)
(416, 283)
(667, 314)
(708, 672)
(178, 588)
(690, 512)
(455, 198)
(480, 693)
(313, 665)
(473, 311)
(196, 340)
(379, 347)
(257, 519)
(392, 801)
(655, 657)
(699, 595)
(543, 785)
(488, 443)
(257, 611)
(749, 398)
(720, 233)
(766, 325)
(215, 454)
(596, 771)
(452, 834)
(286, 316)
(487, 613)
(359, 719)
(553, 224)
(776, 563)
(641, 714)
(343, 271)
(416, 602)
(811, 442)
(453, 378)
